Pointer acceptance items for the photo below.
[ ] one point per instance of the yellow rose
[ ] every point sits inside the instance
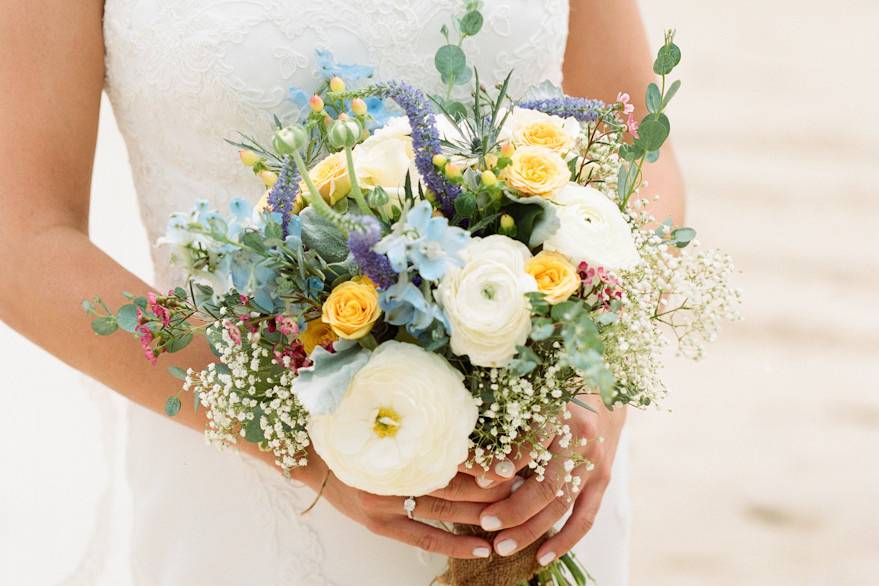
(531, 128)
(330, 176)
(556, 277)
(537, 170)
(317, 333)
(352, 308)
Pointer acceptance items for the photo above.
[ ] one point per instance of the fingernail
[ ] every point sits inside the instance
(506, 547)
(505, 469)
(490, 523)
(517, 484)
(484, 482)
(482, 552)
(546, 558)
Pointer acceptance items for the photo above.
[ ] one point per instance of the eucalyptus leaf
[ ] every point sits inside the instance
(542, 329)
(253, 430)
(471, 23)
(126, 317)
(177, 372)
(178, 344)
(670, 93)
(104, 326)
(449, 61)
(653, 132)
(654, 98)
(321, 386)
(667, 59)
(172, 406)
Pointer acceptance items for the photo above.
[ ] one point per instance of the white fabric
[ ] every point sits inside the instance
(185, 74)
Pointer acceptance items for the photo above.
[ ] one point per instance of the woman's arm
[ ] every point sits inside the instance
(52, 66)
(607, 53)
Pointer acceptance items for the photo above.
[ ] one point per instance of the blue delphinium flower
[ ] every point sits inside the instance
(350, 73)
(404, 305)
(425, 139)
(426, 242)
(374, 265)
(582, 109)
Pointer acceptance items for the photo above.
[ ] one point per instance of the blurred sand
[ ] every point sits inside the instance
(765, 471)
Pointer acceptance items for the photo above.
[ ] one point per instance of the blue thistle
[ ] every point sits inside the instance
(374, 265)
(283, 194)
(425, 138)
(583, 109)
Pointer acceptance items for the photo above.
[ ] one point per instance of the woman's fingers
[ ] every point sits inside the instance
(503, 470)
(463, 487)
(426, 507)
(434, 540)
(577, 525)
(529, 500)
(512, 540)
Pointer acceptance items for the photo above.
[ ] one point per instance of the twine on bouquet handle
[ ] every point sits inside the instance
(495, 570)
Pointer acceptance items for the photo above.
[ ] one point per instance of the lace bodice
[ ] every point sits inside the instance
(182, 75)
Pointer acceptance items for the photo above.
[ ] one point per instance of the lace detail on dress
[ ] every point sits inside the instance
(182, 75)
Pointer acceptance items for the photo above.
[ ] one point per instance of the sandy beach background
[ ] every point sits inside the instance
(764, 469)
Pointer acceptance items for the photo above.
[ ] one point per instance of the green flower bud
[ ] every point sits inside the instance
(508, 226)
(344, 132)
(378, 198)
(289, 139)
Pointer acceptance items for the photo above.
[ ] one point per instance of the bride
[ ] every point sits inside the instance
(182, 75)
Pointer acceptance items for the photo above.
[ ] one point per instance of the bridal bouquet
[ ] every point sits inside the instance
(428, 289)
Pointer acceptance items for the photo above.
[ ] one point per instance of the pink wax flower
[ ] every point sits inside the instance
(233, 331)
(286, 325)
(632, 125)
(624, 99)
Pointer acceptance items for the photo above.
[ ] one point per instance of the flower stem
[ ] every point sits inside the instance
(355, 186)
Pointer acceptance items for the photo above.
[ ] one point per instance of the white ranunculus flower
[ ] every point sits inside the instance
(532, 128)
(593, 229)
(485, 301)
(384, 159)
(403, 425)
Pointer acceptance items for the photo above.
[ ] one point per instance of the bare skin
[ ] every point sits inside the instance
(53, 68)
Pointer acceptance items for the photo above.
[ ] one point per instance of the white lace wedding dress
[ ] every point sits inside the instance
(184, 74)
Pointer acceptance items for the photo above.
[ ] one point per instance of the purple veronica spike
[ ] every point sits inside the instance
(582, 109)
(284, 193)
(374, 265)
(425, 138)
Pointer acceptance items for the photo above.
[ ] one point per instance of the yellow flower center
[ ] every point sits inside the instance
(387, 423)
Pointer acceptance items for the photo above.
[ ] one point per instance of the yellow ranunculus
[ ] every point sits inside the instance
(330, 176)
(546, 135)
(532, 128)
(537, 170)
(352, 308)
(317, 333)
(556, 276)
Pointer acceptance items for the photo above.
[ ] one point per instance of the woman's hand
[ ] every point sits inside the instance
(535, 506)
(461, 501)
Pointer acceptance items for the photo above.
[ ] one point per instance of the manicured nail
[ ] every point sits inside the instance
(546, 558)
(517, 484)
(490, 523)
(482, 552)
(505, 469)
(505, 547)
(484, 482)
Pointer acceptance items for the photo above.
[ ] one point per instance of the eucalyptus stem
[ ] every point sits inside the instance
(355, 186)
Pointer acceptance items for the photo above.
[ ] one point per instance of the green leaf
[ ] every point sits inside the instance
(180, 293)
(631, 152)
(321, 235)
(178, 344)
(539, 304)
(141, 302)
(172, 406)
(542, 329)
(667, 59)
(465, 205)
(670, 93)
(566, 311)
(683, 236)
(449, 61)
(177, 372)
(104, 326)
(464, 76)
(471, 23)
(126, 317)
(654, 98)
(253, 431)
(652, 156)
(653, 132)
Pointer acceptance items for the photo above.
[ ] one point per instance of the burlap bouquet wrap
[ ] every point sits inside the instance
(495, 570)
